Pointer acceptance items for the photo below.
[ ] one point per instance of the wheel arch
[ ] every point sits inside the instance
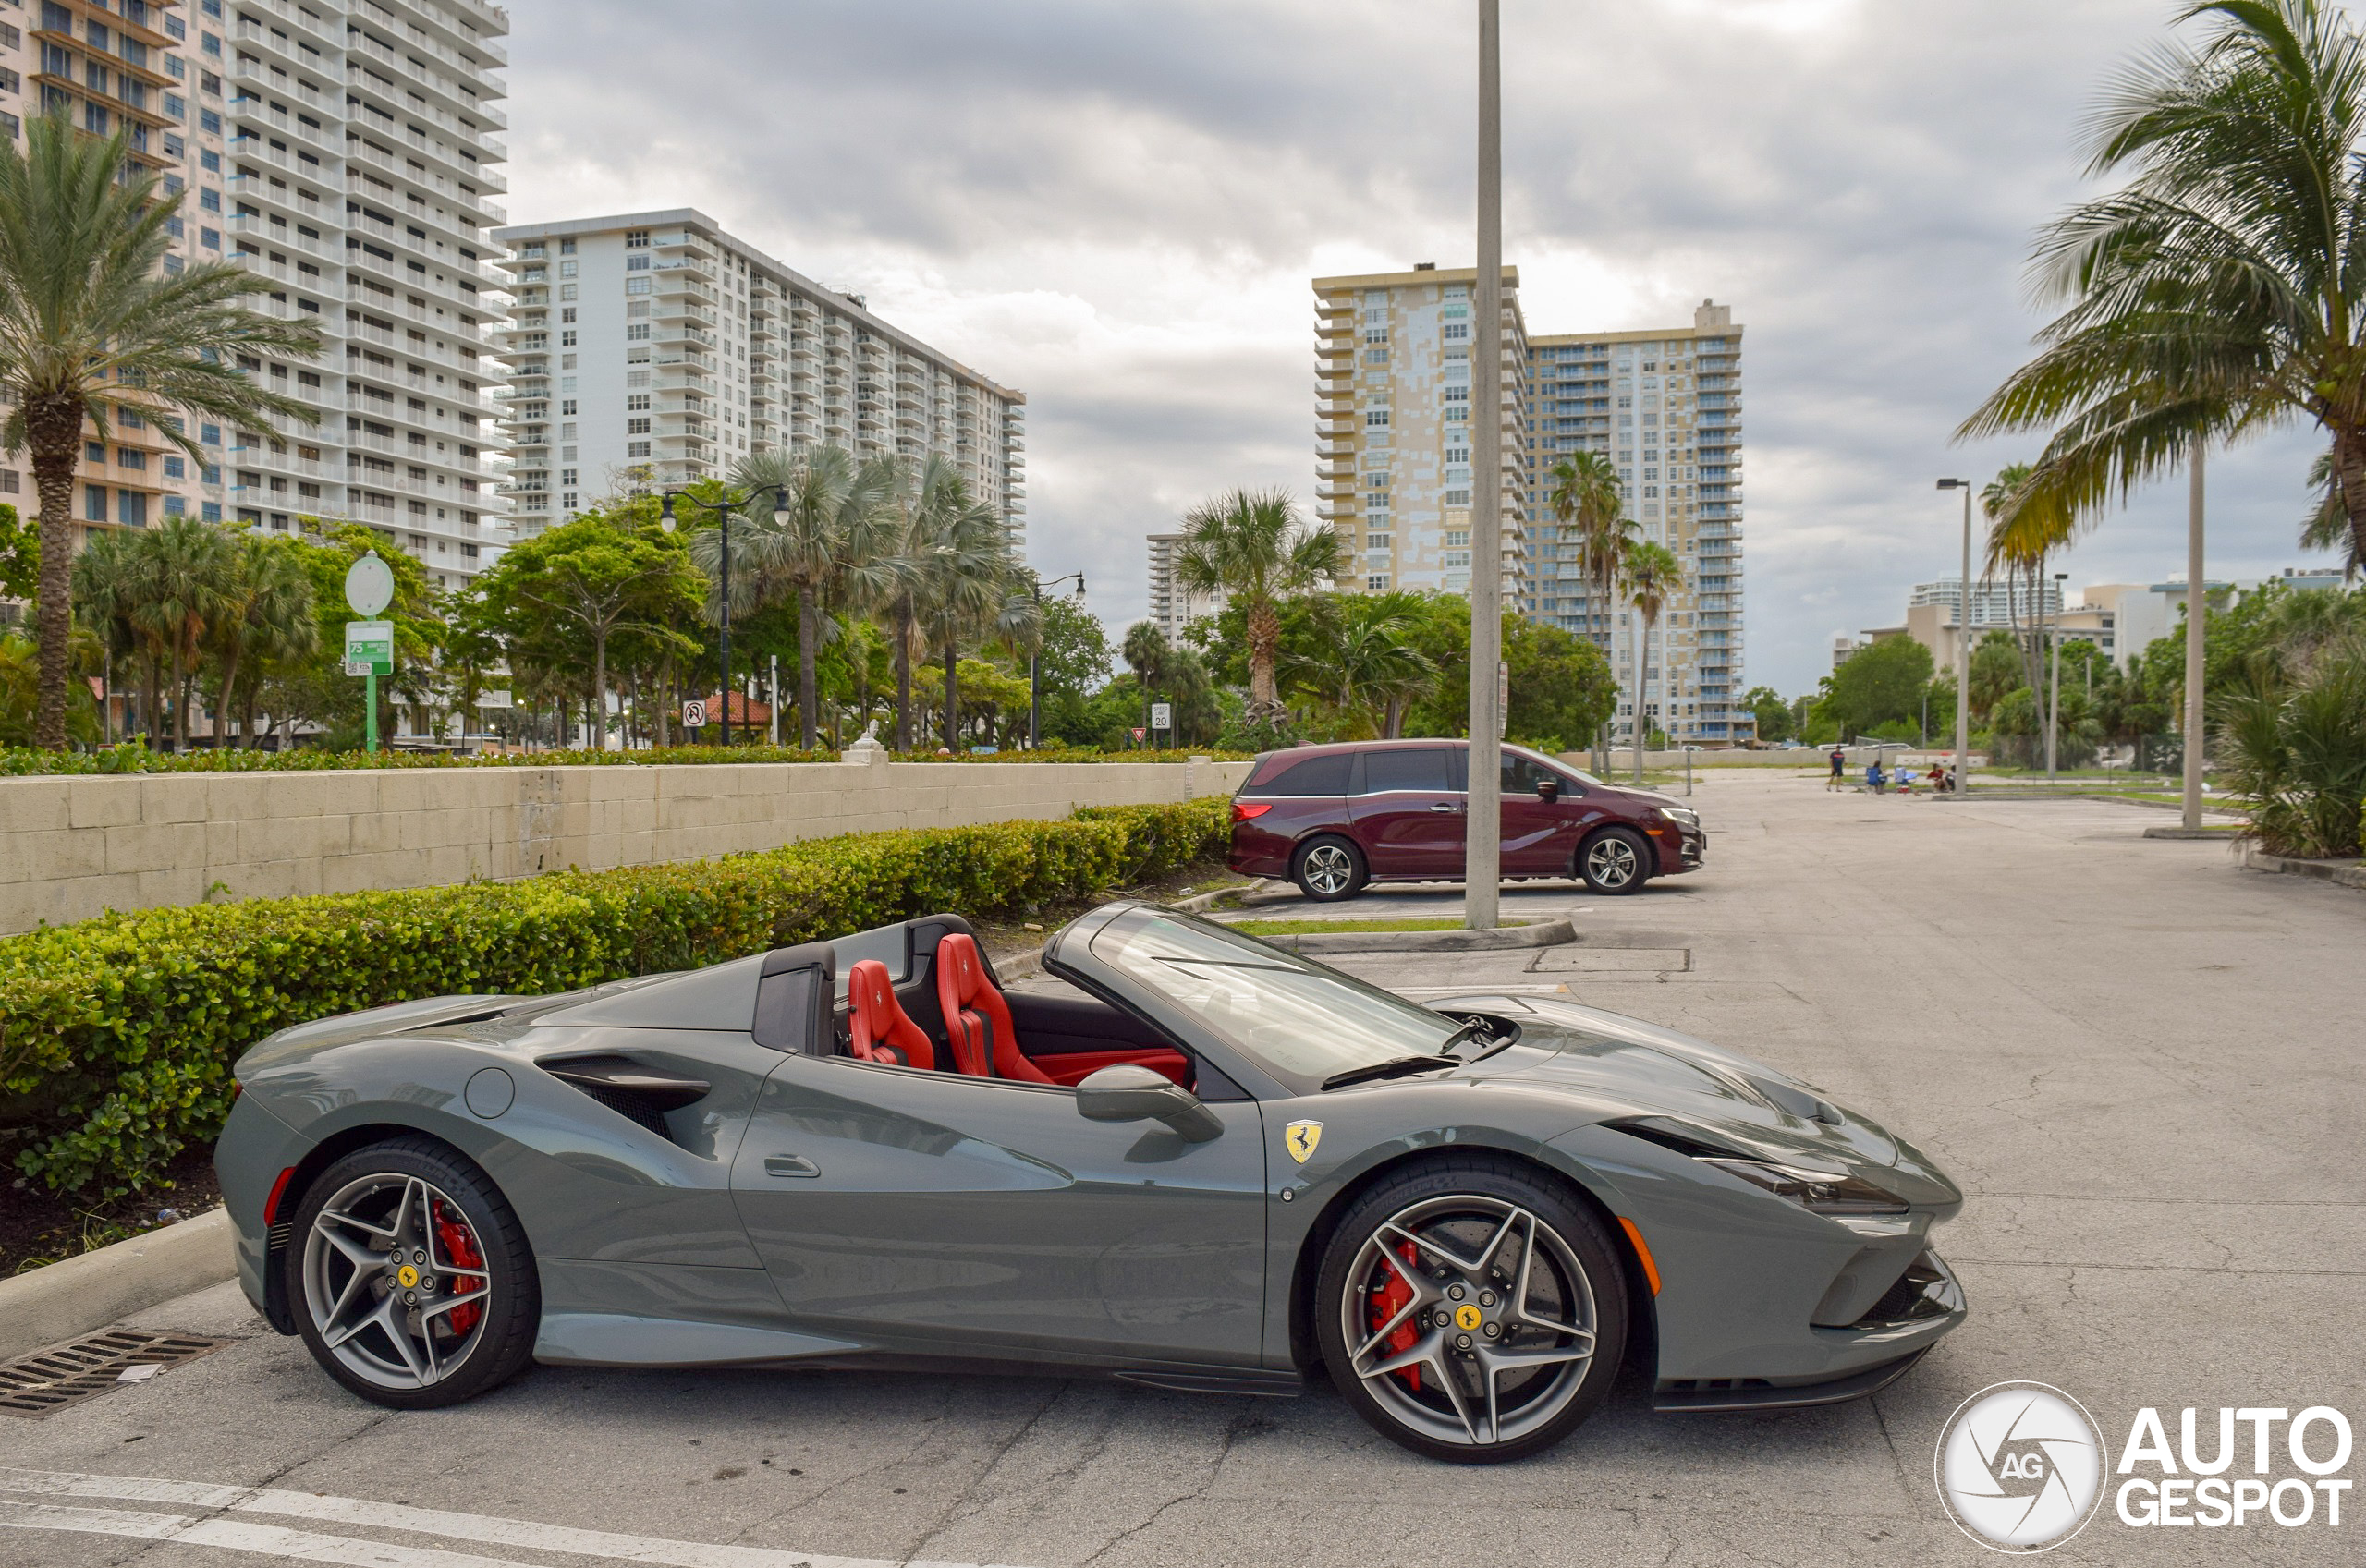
(1643, 1333)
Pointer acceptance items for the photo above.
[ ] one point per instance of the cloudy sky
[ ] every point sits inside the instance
(1116, 206)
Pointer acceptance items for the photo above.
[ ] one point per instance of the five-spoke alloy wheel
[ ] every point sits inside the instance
(414, 1284)
(1615, 861)
(1328, 869)
(1472, 1310)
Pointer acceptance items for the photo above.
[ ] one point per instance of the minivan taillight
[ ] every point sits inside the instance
(1248, 810)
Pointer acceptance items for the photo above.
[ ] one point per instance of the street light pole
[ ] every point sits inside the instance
(1035, 658)
(722, 506)
(2054, 700)
(1483, 801)
(2197, 618)
(1962, 789)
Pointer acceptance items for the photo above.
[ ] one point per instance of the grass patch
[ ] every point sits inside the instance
(1316, 928)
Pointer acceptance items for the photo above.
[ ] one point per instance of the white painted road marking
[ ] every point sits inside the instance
(271, 1540)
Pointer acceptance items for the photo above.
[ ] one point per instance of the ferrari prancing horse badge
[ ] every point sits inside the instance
(1301, 1137)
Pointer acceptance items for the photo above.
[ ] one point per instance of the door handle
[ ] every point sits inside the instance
(789, 1166)
(1444, 806)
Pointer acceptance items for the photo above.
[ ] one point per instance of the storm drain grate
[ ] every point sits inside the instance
(71, 1373)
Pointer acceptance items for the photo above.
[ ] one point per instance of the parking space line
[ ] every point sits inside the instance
(477, 1528)
(233, 1535)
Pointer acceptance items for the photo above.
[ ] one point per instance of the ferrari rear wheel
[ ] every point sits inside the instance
(414, 1283)
(1472, 1310)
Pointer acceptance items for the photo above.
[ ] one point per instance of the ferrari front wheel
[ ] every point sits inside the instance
(1472, 1310)
(413, 1282)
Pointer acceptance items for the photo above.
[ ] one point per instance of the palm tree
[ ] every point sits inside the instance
(1587, 499)
(927, 507)
(1360, 662)
(93, 333)
(1247, 546)
(2026, 525)
(1146, 653)
(2223, 291)
(1652, 572)
(964, 583)
(267, 612)
(836, 522)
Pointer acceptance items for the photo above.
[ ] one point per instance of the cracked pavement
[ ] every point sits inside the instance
(2141, 1062)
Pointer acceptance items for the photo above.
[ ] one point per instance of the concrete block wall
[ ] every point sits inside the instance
(74, 848)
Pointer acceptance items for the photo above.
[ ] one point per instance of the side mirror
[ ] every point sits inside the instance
(1548, 790)
(1131, 1093)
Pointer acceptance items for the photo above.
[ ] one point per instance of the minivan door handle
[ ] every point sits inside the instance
(1449, 806)
(790, 1165)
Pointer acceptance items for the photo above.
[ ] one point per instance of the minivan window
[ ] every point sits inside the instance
(1323, 774)
(1522, 774)
(1422, 768)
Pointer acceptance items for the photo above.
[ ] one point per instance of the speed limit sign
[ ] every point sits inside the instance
(694, 714)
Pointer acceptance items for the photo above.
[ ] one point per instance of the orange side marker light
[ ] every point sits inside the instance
(1651, 1269)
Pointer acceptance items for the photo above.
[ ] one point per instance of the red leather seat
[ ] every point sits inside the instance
(882, 1031)
(977, 1020)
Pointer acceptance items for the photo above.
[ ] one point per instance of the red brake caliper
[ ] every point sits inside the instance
(1388, 1301)
(461, 1248)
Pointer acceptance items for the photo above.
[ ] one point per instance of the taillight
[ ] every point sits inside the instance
(278, 1190)
(1248, 810)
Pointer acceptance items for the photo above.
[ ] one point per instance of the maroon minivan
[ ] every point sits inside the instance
(1333, 818)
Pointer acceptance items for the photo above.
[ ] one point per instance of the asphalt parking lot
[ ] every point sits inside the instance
(2142, 1063)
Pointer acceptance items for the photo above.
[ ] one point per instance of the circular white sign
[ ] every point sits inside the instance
(694, 714)
(2020, 1466)
(369, 586)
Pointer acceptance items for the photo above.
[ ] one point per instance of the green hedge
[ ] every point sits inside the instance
(134, 757)
(116, 1034)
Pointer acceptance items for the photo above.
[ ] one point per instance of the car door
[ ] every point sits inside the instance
(1539, 836)
(930, 1212)
(1409, 813)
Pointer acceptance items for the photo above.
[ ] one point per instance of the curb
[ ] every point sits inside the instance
(74, 1296)
(2215, 835)
(2342, 873)
(1544, 933)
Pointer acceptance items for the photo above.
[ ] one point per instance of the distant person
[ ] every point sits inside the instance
(1904, 780)
(1839, 764)
(1874, 779)
(1940, 780)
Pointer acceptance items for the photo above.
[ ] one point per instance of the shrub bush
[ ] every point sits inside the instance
(117, 1034)
(132, 756)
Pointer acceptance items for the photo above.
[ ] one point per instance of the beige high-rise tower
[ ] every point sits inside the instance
(1393, 383)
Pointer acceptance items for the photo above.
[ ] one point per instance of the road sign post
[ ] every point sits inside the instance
(1162, 717)
(369, 589)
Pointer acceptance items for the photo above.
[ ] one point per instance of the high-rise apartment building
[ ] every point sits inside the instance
(650, 350)
(1664, 404)
(341, 150)
(1173, 606)
(1995, 601)
(1393, 383)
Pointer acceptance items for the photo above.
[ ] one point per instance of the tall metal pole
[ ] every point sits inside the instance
(2054, 697)
(1483, 823)
(1962, 789)
(1035, 675)
(724, 518)
(2197, 615)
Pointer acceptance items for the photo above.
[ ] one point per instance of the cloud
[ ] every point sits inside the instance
(1116, 208)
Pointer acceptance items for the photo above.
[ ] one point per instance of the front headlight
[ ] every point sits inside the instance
(1819, 1192)
(1682, 816)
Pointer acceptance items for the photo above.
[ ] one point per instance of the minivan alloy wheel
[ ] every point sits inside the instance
(1329, 869)
(1611, 862)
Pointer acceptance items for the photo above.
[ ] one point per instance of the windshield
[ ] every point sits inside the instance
(1303, 1022)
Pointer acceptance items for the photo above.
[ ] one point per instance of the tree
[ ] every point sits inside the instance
(2220, 293)
(2026, 525)
(1562, 687)
(1652, 573)
(182, 582)
(19, 556)
(1772, 714)
(94, 334)
(266, 612)
(957, 569)
(1360, 662)
(1880, 683)
(595, 576)
(833, 525)
(1587, 496)
(1248, 545)
(1146, 653)
(1073, 656)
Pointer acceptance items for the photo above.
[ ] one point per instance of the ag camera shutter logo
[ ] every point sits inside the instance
(2021, 1467)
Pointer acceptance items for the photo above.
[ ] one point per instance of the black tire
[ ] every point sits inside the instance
(413, 1201)
(1557, 1252)
(1615, 862)
(1328, 868)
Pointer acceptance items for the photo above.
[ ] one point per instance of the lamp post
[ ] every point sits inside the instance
(1482, 822)
(1035, 658)
(1962, 790)
(722, 507)
(2053, 699)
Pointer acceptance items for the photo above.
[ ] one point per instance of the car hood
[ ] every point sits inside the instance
(1625, 1070)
